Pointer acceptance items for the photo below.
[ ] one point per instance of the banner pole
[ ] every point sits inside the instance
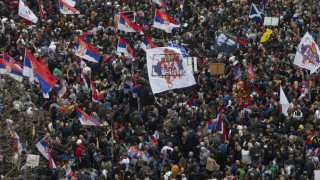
(164, 41)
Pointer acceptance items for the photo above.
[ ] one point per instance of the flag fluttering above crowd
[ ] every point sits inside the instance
(42, 74)
(307, 55)
(266, 35)
(255, 13)
(26, 13)
(85, 51)
(43, 147)
(182, 49)
(164, 21)
(66, 8)
(167, 70)
(124, 48)
(127, 25)
(11, 69)
(162, 4)
(284, 102)
(147, 43)
(85, 119)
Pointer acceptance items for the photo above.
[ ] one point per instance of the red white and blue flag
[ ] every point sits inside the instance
(220, 121)
(66, 8)
(95, 97)
(62, 86)
(164, 21)
(8, 58)
(125, 24)
(124, 48)
(45, 78)
(147, 43)
(210, 126)
(41, 9)
(17, 146)
(87, 52)
(85, 119)
(10, 69)
(43, 147)
(72, 3)
(83, 77)
(161, 3)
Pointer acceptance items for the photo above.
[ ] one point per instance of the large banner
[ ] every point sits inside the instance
(167, 69)
(225, 42)
(307, 55)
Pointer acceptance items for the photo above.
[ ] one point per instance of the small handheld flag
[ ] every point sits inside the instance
(43, 147)
(85, 119)
(147, 43)
(124, 48)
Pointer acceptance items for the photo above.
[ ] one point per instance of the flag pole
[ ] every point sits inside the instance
(164, 41)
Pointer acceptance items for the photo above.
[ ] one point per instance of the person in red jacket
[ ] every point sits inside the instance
(79, 148)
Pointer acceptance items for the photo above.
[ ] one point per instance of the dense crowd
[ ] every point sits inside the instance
(169, 133)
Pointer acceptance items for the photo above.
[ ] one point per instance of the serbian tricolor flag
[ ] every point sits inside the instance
(72, 3)
(124, 48)
(45, 78)
(147, 43)
(246, 101)
(128, 26)
(43, 147)
(11, 69)
(67, 8)
(85, 119)
(87, 52)
(220, 121)
(250, 73)
(95, 97)
(17, 146)
(164, 21)
(41, 9)
(191, 100)
(8, 58)
(161, 3)
(62, 86)
(83, 77)
(210, 126)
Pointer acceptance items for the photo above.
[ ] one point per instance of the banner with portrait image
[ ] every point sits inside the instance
(167, 69)
(307, 55)
(225, 42)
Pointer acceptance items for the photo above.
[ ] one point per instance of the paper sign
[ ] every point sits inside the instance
(270, 21)
(32, 160)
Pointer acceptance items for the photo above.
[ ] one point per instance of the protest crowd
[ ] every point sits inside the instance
(101, 119)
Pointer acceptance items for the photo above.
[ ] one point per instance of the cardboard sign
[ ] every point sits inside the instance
(217, 68)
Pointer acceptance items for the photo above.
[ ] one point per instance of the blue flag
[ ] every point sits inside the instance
(255, 13)
(182, 49)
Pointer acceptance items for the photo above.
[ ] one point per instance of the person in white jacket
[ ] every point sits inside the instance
(165, 149)
(245, 153)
